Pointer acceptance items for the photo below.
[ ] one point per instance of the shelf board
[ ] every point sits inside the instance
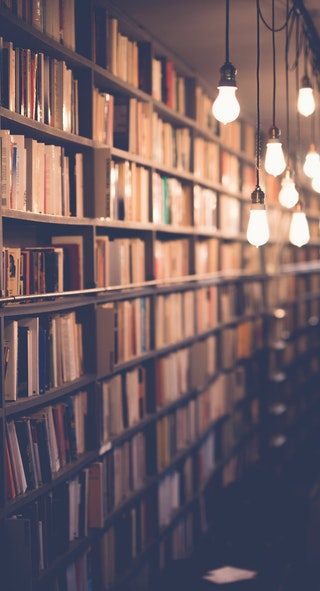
(45, 218)
(105, 80)
(66, 473)
(23, 405)
(41, 305)
(41, 131)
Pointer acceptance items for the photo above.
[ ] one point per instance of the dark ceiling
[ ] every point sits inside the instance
(194, 29)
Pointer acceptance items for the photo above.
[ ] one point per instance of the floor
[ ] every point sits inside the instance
(271, 524)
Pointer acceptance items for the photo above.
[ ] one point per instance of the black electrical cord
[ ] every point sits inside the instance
(298, 80)
(274, 69)
(272, 27)
(227, 29)
(287, 83)
(258, 143)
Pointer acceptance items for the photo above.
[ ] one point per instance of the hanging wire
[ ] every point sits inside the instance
(287, 83)
(227, 29)
(272, 27)
(305, 60)
(299, 41)
(274, 69)
(298, 35)
(258, 143)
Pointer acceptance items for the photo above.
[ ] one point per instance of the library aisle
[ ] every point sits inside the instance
(159, 294)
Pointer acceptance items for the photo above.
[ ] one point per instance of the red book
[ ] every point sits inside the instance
(169, 76)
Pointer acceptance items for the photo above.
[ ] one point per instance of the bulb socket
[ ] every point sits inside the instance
(257, 196)
(228, 75)
(305, 82)
(274, 133)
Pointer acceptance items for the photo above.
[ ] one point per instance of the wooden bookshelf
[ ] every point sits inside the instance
(36, 229)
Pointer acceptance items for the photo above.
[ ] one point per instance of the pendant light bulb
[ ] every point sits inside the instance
(299, 229)
(288, 195)
(274, 163)
(226, 107)
(258, 228)
(312, 161)
(306, 102)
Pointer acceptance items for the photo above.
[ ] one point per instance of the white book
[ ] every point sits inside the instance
(79, 184)
(53, 441)
(33, 354)
(11, 359)
(5, 146)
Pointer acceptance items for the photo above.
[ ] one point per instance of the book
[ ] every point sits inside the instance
(103, 116)
(174, 318)
(204, 207)
(171, 201)
(132, 126)
(44, 442)
(171, 258)
(40, 87)
(206, 256)
(41, 353)
(120, 261)
(206, 160)
(37, 270)
(171, 145)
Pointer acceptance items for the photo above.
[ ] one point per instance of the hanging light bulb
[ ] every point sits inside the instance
(306, 102)
(258, 228)
(299, 228)
(274, 161)
(312, 162)
(226, 107)
(315, 183)
(288, 195)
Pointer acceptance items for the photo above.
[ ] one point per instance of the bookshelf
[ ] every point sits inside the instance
(215, 292)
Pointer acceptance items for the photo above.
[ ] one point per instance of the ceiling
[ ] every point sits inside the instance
(194, 29)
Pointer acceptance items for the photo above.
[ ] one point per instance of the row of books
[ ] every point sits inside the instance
(182, 371)
(240, 342)
(124, 541)
(41, 353)
(122, 471)
(204, 207)
(125, 59)
(56, 18)
(122, 404)
(39, 87)
(172, 201)
(168, 86)
(37, 270)
(40, 445)
(171, 145)
(206, 301)
(45, 528)
(237, 299)
(123, 332)
(171, 258)
(203, 111)
(121, 261)
(206, 160)
(174, 318)
(206, 256)
(132, 126)
(39, 177)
